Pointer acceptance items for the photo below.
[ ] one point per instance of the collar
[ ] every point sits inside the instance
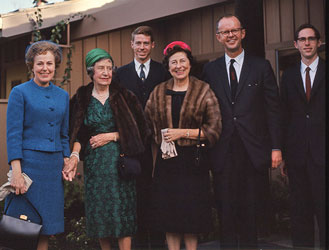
(138, 64)
(313, 65)
(238, 59)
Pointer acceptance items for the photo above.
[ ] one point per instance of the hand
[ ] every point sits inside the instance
(173, 134)
(283, 169)
(18, 182)
(276, 158)
(100, 140)
(70, 168)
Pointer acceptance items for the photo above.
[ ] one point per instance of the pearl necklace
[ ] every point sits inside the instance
(100, 97)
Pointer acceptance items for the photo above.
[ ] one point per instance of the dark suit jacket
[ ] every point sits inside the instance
(255, 114)
(128, 78)
(304, 122)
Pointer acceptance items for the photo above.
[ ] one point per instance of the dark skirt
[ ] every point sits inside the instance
(46, 192)
(180, 196)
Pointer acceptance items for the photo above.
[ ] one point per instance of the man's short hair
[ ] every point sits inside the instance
(227, 16)
(306, 26)
(143, 30)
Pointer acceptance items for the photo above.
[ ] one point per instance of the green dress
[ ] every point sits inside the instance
(110, 202)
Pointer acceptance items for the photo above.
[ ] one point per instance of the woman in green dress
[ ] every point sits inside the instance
(106, 120)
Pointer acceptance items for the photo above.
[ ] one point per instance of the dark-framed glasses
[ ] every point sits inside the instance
(227, 32)
(310, 39)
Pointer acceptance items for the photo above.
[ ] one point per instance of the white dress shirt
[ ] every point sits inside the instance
(313, 66)
(146, 67)
(237, 65)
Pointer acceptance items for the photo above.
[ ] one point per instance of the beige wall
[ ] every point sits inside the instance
(16, 72)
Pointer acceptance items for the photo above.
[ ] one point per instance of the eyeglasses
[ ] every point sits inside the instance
(310, 39)
(227, 32)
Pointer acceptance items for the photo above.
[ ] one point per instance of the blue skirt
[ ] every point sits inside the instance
(46, 192)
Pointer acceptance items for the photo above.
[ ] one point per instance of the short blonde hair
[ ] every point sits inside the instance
(42, 47)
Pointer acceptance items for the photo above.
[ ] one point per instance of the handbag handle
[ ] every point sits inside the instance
(198, 145)
(29, 202)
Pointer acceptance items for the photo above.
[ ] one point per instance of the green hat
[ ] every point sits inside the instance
(95, 55)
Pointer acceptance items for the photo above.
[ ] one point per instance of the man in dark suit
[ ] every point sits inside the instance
(141, 76)
(303, 98)
(251, 135)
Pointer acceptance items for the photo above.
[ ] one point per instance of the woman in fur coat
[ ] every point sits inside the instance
(106, 120)
(179, 111)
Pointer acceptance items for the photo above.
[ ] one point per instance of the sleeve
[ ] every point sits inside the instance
(273, 106)
(15, 125)
(212, 121)
(65, 129)
(285, 110)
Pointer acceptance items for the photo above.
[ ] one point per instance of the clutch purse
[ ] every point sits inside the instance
(128, 167)
(19, 233)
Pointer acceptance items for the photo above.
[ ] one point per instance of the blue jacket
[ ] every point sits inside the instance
(37, 119)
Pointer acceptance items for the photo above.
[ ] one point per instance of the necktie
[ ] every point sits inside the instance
(142, 74)
(233, 80)
(308, 83)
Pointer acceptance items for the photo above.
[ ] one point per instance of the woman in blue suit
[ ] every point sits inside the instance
(37, 140)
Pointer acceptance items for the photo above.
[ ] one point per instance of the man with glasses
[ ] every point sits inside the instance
(250, 142)
(303, 97)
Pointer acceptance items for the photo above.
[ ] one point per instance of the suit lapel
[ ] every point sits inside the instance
(299, 82)
(244, 74)
(151, 72)
(318, 79)
(223, 77)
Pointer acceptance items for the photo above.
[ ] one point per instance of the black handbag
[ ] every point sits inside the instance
(19, 233)
(128, 167)
(201, 147)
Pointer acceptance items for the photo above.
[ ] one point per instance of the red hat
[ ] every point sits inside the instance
(180, 44)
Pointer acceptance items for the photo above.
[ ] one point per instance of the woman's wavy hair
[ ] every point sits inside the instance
(39, 48)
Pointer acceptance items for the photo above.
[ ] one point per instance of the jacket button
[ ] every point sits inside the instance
(233, 103)
(234, 118)
(47, 96)
(51, 140)
(51, 109)
(307, 116)
(50, 124)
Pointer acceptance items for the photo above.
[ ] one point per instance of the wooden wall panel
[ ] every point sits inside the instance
(159, 39)
(126, 51)
(317, 13)
(196, 30)
(218, 12)
(207, 31)
(287, 20)
(115, 47)
(272, 21)
(172, 29)
(88, 44)
(60, 72)
(78, 67)
(229, 8)
(301, 12)
(185, 29)
(102, 41)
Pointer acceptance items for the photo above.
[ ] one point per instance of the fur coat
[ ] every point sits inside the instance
(128, 115)
(200, 109)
